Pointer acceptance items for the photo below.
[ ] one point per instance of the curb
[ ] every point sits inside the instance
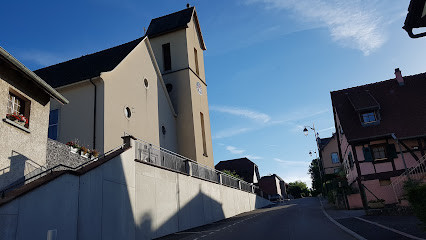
(347, 230)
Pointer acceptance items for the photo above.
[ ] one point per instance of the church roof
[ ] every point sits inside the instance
(170, 22)
(87, 66)
(173, 22)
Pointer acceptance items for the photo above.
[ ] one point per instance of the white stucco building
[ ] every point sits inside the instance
(153, 88)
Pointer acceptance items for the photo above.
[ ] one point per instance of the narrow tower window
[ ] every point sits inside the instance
(197, 69)
(203, 133)
(167, 60)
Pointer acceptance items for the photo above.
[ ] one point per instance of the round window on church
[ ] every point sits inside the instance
(127, 112)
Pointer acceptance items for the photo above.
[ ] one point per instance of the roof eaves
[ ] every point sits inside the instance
(194, 14)
(157, 70)
(36, 79)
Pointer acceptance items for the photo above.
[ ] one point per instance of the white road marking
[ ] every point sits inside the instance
(390, 229)
(354, 234)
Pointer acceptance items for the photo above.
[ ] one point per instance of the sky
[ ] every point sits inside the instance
(270, 64)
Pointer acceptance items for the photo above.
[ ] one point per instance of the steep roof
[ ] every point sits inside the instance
(242, 166)
(87, 66)
(401, 110)
(169, 23)
(173, 22)
(322, 142)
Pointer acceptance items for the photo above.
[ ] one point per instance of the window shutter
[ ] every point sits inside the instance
(367, 154)
(391, 151)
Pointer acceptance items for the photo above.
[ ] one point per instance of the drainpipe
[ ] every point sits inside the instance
(94, 116)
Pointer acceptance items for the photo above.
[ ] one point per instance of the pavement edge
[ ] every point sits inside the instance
(347, 230)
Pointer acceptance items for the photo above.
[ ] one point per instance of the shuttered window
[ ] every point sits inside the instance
(367, 154)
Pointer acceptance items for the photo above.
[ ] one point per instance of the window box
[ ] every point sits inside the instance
(13, 123)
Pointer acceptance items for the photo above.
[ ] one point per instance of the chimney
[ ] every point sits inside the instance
(399, 77)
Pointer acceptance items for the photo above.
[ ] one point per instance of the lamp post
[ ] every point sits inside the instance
(306, 132)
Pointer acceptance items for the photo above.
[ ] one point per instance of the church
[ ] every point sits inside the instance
(153, 88)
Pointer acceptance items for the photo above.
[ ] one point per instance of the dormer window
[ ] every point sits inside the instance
(368, 117)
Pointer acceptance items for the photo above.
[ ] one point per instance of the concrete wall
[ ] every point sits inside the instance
(20, 151)
(59, 153)
(121, 199)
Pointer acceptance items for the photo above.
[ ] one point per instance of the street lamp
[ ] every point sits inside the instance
(306, 132)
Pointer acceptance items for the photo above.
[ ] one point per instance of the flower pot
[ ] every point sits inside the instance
(20, 123)
(375, 205)
(74, 149)
(85, 155)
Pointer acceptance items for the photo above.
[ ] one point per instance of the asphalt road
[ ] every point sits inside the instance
(296, 219)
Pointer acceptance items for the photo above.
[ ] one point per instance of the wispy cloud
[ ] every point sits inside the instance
(326, 129)
(40, 58)
(238, 151)
(293, 163)
(253, 157)
(235, 150)
(264, 119)
(242, 112)
(230, 132)
(354, 24)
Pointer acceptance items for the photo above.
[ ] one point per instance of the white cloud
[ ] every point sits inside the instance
(326, 129)
(39, 57)
(354, 23)
(292, 163)
(230, 132)
(235, 150)
(241, 112)
(253, 157)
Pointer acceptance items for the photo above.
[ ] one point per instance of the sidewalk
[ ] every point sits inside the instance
(376, 227)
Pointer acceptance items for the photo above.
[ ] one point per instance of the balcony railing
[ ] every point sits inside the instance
(158, 156)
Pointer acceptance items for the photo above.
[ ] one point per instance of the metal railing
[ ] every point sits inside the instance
(30, 177)
(417, 173)
(158, 156)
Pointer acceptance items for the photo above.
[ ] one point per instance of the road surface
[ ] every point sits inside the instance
(296, 219)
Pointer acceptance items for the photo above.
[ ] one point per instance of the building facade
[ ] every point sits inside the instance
(329, 155)
(273, 185)
(380, 134)
(153, 88)
(24, 103)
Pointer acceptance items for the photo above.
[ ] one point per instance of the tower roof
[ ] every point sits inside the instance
(173, 22)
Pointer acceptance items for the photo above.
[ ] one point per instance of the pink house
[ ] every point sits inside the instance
(329, 155)
(365, 118)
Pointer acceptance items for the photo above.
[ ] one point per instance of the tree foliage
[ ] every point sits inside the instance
(298, 189)
(233, 173)
(314, 171)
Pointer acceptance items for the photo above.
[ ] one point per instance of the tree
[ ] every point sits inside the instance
(314, 171)
(233, 173)
(298, 189)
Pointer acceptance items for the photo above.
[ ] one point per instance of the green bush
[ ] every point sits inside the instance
(416, 194)
(331, 198)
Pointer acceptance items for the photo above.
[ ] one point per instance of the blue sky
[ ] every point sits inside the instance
(270, 64)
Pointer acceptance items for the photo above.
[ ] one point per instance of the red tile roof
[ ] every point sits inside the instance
(402, 108)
